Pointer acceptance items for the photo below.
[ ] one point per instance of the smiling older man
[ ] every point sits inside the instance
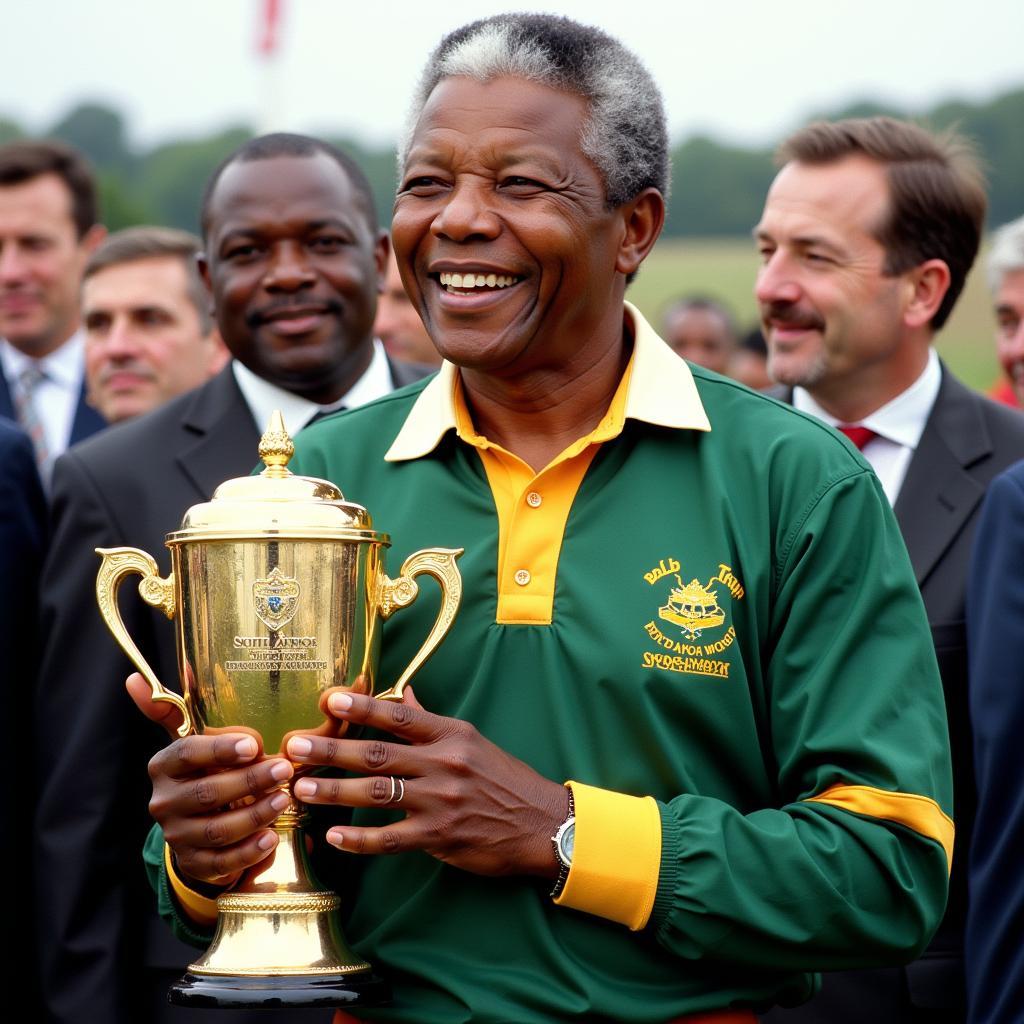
(665, 773)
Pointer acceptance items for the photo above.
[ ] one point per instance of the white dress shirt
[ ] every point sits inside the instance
(263, 398)
(898, 424)
(56, 397)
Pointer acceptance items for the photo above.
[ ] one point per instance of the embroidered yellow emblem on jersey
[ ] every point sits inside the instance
(694, 609)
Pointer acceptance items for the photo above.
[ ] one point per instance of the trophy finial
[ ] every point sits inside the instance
(276, 447)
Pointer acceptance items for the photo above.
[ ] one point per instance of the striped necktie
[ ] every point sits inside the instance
(26, 410)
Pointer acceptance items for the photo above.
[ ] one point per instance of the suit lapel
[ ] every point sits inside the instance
(219, 435)
(87, 420)
(6, 405)
(938, 494)
(407, 373)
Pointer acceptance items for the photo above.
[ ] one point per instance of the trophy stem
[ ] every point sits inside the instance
(278, 941)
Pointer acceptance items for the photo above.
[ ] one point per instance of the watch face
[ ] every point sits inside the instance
(566, 842)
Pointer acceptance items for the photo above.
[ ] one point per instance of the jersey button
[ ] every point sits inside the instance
(522, 577)
(533, 499)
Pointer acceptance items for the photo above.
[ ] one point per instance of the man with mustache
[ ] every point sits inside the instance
(293, 259)
(149, 334)
(867, 236)
(656, 771)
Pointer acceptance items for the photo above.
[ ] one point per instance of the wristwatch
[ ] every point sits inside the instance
(563, 841)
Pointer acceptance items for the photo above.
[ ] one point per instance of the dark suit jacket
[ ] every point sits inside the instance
(967, 441)
(22, 544)
(995, 633)
(128, 486)
(87, 420)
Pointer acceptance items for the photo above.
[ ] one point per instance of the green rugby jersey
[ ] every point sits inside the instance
(736, 633)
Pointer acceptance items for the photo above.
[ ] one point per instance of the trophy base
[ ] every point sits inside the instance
(238, 993)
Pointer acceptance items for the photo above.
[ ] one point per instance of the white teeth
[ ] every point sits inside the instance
(465, 281)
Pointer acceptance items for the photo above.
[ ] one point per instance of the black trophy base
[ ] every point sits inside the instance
(236, 992)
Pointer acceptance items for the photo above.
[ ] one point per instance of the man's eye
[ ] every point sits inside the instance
(518, 183)
(422, 186)
(241, 252)
(327, 243)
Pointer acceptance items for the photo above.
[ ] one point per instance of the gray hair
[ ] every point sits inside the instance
(625, 135)
(1007, 252)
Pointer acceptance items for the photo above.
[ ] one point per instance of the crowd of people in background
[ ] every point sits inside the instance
(139, 368)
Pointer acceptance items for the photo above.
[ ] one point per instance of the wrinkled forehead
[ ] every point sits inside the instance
(460, 105)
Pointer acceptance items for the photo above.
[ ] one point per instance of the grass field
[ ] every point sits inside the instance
(726, 268)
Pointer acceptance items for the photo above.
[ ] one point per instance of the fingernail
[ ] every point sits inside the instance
(246, 747)
(335, 838)
(299, 746)
(305, 787)
(279, 801)
(267, 841)
(339, 702)
(280, 771)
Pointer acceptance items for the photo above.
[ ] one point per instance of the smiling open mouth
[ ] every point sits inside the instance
(464, 284)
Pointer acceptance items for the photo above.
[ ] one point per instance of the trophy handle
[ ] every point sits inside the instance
(121, 562)
(395, 594)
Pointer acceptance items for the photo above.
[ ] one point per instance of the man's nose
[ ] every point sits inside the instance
(290, 268)
(468, 213)
(776, 281)
(13, 265)
(121, 341)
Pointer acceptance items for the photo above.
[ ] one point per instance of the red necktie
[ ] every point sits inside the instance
(858, 435)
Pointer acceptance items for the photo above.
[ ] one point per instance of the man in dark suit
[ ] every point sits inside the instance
(48, 228)
(995, 631)
(867, 236)
(995, 634)
(293, 261)
(22, 543)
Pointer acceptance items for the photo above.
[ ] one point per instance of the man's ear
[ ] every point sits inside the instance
(92, 238)
(381, 252)
(643, 218)
(203, 266)
(927, 285)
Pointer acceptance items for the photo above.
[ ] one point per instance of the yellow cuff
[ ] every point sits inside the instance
(616, 856)
(199, 908)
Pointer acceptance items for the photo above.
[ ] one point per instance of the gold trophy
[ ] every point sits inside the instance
(278, 591)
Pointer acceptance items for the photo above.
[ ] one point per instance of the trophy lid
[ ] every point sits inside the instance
(276, 503)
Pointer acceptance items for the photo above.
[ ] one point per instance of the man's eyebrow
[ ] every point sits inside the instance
(801, 241)
(328, 222)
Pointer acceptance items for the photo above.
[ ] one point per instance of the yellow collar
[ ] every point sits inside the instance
(660, 390)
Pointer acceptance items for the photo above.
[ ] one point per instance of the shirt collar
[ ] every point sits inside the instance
(64, 366)
(660, 390)
(263, 398)
(901, 420)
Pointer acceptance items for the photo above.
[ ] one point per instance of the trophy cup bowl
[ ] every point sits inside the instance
(277, 592)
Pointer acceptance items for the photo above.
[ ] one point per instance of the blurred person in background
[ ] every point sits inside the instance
(48, 229)
(398, 324)
(22, 543)
(867, 236)
(1006, 279)
(149, 333)
(292, 261)
(702, 330)
(750, 361)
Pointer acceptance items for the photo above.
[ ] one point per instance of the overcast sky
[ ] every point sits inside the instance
(742, 71)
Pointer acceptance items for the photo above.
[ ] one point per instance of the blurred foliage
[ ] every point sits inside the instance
(717, 190)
